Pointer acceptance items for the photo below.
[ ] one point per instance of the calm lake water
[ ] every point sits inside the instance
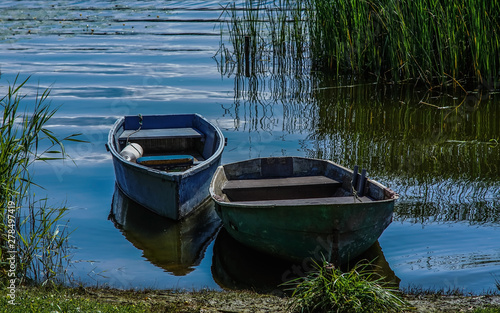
(105, 59)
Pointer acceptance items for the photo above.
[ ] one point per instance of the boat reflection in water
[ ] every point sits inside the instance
(236, 266)
(175, 246)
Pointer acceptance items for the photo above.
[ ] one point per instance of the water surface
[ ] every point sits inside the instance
(104, 59)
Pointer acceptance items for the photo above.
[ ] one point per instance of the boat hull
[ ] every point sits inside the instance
(170, 194)
(298, 231)
(336, 233)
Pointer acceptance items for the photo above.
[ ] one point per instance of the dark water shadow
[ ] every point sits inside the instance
(176, 246)
(236, 266)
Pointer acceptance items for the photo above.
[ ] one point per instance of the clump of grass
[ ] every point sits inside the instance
(32, 233)
(327, 289)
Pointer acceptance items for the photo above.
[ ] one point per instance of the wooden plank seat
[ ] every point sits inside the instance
(166, 160)
(308, 201)
(161, 133)
(280, 188)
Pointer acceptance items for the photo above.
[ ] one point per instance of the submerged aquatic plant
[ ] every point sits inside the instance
(33, 238)
(328, 289)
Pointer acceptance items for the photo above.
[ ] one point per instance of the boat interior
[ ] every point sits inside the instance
(286, 186)
(169, 149)
(290, 190)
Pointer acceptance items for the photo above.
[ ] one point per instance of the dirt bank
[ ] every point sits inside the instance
(214, 301)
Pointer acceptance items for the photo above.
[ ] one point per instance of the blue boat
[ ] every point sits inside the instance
(165, 162)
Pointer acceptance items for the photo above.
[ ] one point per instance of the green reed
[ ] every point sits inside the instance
(434, 42)
(30, 229)
(427, 40)
(276, 34)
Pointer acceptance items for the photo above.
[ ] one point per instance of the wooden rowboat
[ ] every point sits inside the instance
(298, 208)
(165, 162)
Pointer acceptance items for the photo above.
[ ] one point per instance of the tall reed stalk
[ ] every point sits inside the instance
(30, 229)
(276, 33)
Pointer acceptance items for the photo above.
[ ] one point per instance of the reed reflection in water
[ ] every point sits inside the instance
(439, 151)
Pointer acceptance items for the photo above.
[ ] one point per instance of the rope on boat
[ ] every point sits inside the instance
(140, 126)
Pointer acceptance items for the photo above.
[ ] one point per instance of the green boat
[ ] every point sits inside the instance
(300, 208)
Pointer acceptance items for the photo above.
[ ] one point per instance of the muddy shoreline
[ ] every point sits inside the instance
(245, 301)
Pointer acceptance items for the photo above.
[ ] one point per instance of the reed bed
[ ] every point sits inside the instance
(401, 40)
(441, 42)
